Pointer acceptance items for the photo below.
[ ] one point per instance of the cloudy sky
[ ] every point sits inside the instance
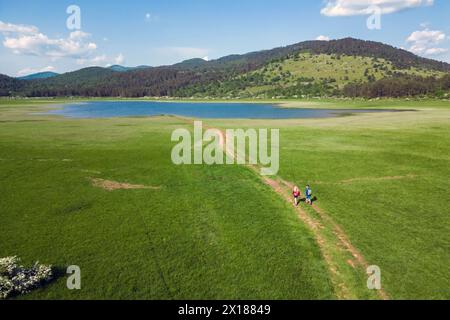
(46, 35)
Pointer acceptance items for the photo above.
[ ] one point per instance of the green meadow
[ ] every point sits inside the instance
(220, 232)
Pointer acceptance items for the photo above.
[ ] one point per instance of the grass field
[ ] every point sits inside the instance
(211, 232)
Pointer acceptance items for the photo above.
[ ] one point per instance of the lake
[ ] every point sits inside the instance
(108, 109)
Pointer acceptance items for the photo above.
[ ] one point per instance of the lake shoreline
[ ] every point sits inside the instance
(212, 110)
(316, 103)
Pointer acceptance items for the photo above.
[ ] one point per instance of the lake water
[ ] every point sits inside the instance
(108, 109)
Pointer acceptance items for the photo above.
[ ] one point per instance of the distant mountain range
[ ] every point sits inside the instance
(39, 75)
(46, 75)
(348, 66)
(119, 68)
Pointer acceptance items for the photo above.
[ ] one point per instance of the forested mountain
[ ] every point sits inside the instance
(348, 46)
(312, 68)
(9, 86)
(39, 75)
(119, 68)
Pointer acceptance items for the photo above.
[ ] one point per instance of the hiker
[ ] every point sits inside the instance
(308, 194)
(296, 194)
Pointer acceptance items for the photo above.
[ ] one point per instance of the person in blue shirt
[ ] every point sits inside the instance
(308, 195)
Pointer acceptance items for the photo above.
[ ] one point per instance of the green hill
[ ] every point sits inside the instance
(306, 73)
(312, 68)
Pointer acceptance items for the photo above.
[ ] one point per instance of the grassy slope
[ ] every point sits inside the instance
(344, 70)
(209, 232)
(384, 179)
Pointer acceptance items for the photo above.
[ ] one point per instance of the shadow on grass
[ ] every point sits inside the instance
(313, 199)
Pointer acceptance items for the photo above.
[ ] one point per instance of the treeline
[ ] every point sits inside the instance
(231, 76)
(177, 83)
(9, 86)
(400, 86)
(99, 82)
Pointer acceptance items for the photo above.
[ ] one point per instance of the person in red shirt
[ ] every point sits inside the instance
(296, 194)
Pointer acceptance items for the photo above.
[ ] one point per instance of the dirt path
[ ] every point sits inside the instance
(357, 258)
(333, 242)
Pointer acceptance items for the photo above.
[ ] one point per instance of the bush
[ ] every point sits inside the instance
(16, 279)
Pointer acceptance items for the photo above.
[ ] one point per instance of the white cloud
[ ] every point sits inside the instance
(435, 51)
(427, 42)
(101, 60)
(183, 53)
(78, 35)
(17, 28)
(120, 59)
(427, 36)
(28, 40)
(335, 8)
(28, 71)
(323, 38)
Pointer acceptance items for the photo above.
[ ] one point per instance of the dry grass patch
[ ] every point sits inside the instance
(114, 185)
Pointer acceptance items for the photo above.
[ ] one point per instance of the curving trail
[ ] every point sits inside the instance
(343, 240)
(342, 257)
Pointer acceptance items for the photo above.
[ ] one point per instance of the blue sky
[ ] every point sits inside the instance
(34, 36)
